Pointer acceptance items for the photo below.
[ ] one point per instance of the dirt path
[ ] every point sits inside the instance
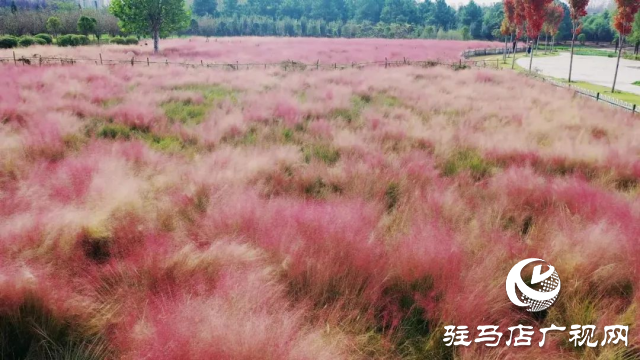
(597, 70)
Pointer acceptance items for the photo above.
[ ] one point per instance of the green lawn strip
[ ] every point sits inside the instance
(188, 112)
(605, 90)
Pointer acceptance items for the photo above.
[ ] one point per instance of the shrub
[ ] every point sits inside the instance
(582, 38)
(46, 37)
(118, 40)
(80, 40)
(8, 42)
(131, 40)
(65, 40)
(26, 41)
(73, 40)
(39, 41)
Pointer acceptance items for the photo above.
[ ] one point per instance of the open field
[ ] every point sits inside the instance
(268, 50)
(180, 213)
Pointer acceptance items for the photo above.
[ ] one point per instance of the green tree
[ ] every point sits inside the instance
(151, 17)
(492, 20)
(230, 8)
(368, 10)
(582, 38)
(634, 37)
(87, 25)
(471, 16)
(53, 25)
(205, 7)
(443, 16)
(399, 11)
(292, 9)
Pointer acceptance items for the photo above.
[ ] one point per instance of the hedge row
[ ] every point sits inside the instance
(9, 41)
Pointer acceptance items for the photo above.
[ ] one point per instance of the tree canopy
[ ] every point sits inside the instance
(151, 17)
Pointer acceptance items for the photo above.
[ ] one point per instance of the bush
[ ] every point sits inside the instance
(80, 40)
(46, 37)
(26, 41)
(72, 40)
(131, 40)
(118, 40)
(582, 38)
(8, 42)
(39, 41)
(65, 40)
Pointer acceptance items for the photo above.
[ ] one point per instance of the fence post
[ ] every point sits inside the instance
(386, 63)
(317, 64)
(147, 61)
(201, 62)
(237, 65)
(100, 58)
(166, 61)
(460, 64)
(132, 60)
(598, 97)
(497, 64)
(633, 110)
(14, 59)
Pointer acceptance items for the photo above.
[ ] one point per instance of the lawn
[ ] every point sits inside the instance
(169, 212)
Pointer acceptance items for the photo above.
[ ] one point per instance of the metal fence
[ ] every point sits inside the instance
(37, 60)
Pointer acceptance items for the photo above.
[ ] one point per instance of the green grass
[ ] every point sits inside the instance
(188, 112)
(637, 83)
(169, 143)
(605, 90)
(322, 152)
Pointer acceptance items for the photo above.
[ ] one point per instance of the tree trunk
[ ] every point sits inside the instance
(156, 41)
(546, 42)
(531, 58)
(504, 57)
(573, 41)
(615, 77)
(515, 51)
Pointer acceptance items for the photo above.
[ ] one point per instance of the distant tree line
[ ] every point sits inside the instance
(31, 21)
(432, 19)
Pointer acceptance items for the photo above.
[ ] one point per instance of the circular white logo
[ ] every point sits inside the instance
(544, 288)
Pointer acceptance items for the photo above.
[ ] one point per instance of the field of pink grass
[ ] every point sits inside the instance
(269, 50)
(175, 213)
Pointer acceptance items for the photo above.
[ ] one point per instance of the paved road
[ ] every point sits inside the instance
(597, 70)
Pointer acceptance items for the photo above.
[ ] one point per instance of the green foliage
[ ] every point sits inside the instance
(26, 41)
(467, 160)
(8, 42)
(72, 40)
(53, 25)
(323, 152)
(131, 40)
(46, 37)
(118, 40)
(205, 7)
(189, 112)
(582, 38)
(87, 25)
(150, 17)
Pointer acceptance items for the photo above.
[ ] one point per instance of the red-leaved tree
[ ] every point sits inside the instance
(508, 23)
(519, 22)
(554, 16)
(535, 12)
(577, 10)
(623, 22)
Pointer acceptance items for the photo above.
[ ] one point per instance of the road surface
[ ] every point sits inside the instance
(597, 70)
